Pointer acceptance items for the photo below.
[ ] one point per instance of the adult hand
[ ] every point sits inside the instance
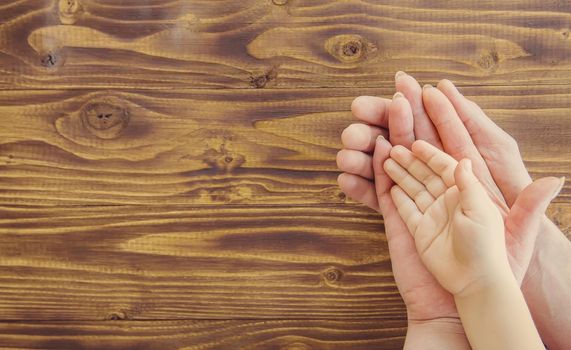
(464, 131)
(407, 121)
(547, 283)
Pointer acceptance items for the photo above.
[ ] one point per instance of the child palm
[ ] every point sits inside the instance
(457, 229)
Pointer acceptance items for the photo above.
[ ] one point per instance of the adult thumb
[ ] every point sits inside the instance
(534, 200)
(523, 220)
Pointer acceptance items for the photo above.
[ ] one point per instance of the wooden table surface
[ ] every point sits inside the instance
(167, 167)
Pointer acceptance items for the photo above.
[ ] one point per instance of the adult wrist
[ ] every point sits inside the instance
(547, 286)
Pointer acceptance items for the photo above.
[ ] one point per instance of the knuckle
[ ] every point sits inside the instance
(428, 178)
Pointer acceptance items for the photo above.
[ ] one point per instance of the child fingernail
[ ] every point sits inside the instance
(427, 86)
(380, 138)
(399, 74)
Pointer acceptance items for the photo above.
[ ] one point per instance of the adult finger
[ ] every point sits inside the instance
(523, 221)
(533, 201)
(455, 138)
(372, 110)
(355, 162)
(361, 137)
(401, 121)
(498, 149)
(383, 181)
(423, 127)
(359, 189)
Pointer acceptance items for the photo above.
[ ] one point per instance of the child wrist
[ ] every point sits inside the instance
(500, 279)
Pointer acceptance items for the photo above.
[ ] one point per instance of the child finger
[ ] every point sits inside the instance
(406, 208)
(472, 194)
(414, 189)
(441, 163)
(417, 168)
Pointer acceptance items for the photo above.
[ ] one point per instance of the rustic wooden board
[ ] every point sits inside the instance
(206, 335)
(96, 263)
(169, 262)
(203, 147)
(167, 168)
(280, 43)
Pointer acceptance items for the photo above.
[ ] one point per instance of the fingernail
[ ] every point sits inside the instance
(380, 138)
(399, 74)
(559, 188)
(398, 95)
(427, 86)
(452, 84)
(446, 81)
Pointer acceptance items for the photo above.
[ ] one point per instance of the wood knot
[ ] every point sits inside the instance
(260, 81)
(105, 120)
(51, 60)
(565, 34)
(332, 275)
(10, 159)
(349, 48)
(117, 316)
(352, 48)
(223, 159)
(279, 2)
(69, 11)
(489, 60)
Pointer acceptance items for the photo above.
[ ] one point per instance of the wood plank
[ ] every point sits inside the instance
(174, 262)
(203, 147)
(280, 43)
(206, 335)
(164, 262)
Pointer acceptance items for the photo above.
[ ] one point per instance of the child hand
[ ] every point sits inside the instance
(458, 231)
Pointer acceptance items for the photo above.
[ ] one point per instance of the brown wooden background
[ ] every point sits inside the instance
(167, 167)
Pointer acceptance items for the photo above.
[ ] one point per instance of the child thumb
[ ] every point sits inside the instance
(472, 195)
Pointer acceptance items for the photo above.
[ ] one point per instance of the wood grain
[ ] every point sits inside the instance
(136, 262)
(78, 147)
(206, 335)
(280, 43)
(167, 168)
(172, 262)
